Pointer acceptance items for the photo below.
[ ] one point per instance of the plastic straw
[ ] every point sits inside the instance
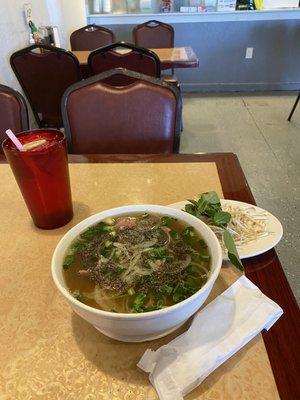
(14, 139)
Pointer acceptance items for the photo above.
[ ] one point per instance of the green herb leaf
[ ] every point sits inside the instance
(189, 232)
(78, 246)
(202, 244)
(232, 251)
(193, 283)
(96, 230)
(68, 261)
(175, 235)
(167, 221)
(179, 293)
(138, 302)
(208, 209)
(204, 257)
(221, 218)
(190, 208)
(210, 197)
(166, 289)
(157, 253)
(78, 296)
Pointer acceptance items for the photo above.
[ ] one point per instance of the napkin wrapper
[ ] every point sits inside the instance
(217, 332)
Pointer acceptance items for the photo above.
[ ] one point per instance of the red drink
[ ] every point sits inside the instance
(43, 176)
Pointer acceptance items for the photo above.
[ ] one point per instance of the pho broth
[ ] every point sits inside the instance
(136, 263)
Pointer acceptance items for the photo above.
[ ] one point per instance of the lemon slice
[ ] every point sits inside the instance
(34, 144)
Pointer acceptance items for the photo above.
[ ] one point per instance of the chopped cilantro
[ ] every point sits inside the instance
(167, 221)
(68, 261)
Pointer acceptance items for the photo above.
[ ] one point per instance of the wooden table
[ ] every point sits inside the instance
(281, 342)
(178, 57)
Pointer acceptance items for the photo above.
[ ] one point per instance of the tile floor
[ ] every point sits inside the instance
(255, 127)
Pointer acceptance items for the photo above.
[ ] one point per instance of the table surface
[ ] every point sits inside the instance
(282, 341)
(177, 57)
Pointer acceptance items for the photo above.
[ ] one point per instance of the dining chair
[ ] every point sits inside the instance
(13, 112)
(156, 35)
(294, 107)
(44, 73)
(153, 34)
(123, 55)
(90, 37)
(143, 117)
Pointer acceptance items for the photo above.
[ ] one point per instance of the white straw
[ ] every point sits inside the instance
(14, 139)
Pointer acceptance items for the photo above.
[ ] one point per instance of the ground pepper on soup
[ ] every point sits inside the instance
(136, 263)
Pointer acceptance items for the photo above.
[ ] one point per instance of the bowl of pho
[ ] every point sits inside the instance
(137, 272)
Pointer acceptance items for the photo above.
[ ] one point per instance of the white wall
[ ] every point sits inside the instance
(68, 15)
(15, 33)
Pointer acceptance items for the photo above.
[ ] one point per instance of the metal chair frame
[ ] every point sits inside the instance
(132, 74)
(294, 107)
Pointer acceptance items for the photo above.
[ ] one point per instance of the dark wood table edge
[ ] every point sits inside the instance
(282, 341)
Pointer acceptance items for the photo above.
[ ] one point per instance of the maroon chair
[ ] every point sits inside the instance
(143, 117)
(44, 73)
(91, 37)
(13, 112)
(129, 56)
(156, 35)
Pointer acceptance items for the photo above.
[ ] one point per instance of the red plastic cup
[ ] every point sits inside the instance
(42, 174)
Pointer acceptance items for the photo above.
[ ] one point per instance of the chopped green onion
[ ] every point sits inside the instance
(78, 296)
(131, 291)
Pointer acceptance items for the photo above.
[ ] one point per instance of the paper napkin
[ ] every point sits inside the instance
(217, 332)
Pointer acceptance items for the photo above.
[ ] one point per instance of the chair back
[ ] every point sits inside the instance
(91, 37)
(123, 55)
(154, 35)
(45, 72)
(143, 117)
(13, 112)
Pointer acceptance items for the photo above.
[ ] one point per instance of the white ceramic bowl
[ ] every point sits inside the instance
(143, 326)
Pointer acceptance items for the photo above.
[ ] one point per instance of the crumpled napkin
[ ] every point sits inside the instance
(217, 332)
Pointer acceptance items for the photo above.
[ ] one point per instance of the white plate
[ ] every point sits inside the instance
(260, 245)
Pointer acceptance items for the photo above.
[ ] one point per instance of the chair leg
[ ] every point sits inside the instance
(294, 107)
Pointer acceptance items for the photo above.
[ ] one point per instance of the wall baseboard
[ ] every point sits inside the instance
(239, 87)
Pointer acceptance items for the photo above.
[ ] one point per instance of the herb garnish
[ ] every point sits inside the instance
(208, 208)
(78, 296)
